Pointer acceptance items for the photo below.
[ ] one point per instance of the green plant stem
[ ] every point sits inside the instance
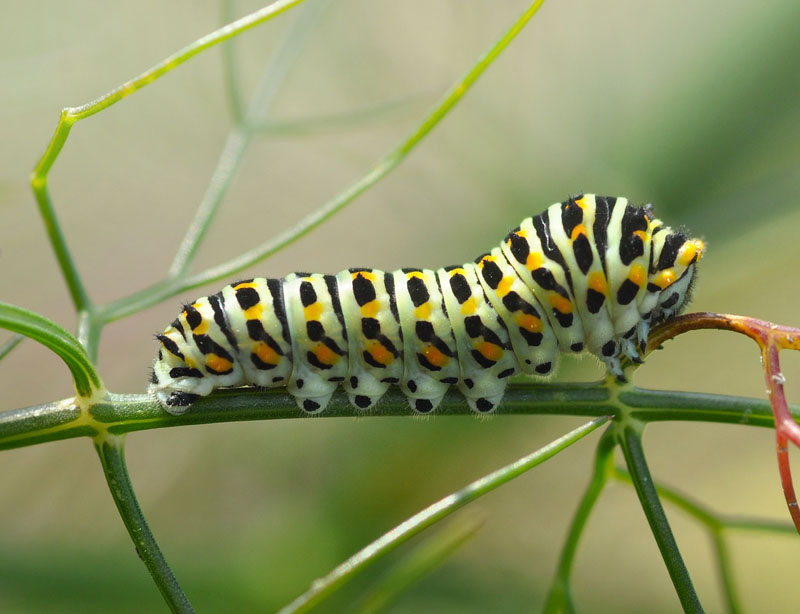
(629, 436)
(65, 346)
(9, 345)
(71, 115)
(112, 456)
(725, 568)
(345, 572)
(135, 412)
(560, 597)
(230, 73)
(166, 288)
(716, 525)
(346, 119)
(242, 133)
(420, 562)
(388, 163)
(77, 291)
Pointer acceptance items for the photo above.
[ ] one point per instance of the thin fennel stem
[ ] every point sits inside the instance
(77, 291)
(388, 163)
(242, 134)
(560, 596)
(323, 587)
(233, 87)
(9, 345)
(169, 287)
(629, 436)
(70, 115)
(128, 413)
(726, 571)
(110, 448)
(421, 561)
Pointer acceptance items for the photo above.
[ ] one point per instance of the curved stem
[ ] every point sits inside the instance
(110, 448)
(241, 136)
(387, 164)
(630, 440)
(71, 115)
(323, 587)
(87, 382)
(560, 597)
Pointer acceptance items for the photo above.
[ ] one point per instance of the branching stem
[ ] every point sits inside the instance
(111, 450)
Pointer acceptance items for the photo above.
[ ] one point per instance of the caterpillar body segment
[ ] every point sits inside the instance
(592, 273)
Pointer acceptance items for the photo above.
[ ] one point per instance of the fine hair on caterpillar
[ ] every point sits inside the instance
(592, 273)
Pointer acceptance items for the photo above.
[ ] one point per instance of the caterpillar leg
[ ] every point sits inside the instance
(424, 406)
(313, 405)
(363, 401)
(485, 405)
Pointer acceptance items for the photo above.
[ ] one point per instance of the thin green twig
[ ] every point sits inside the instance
(420, 562)
(345, 572)
(346, 119)
(242, 133)
(70, 115)
(233, 87)
(560, 597)
(87, 382)
(629, 437)
(388, 163)
(9, 345)
(112, 455)
(166, 288)
(717, 524)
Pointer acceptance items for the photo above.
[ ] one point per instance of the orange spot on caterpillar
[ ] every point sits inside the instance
(365, 274)
(254, 312)
(380, 354)
(664, 278)
(637, 275)
(485, 259)
(326, 355)
(201, 328)
(581, 202)
(597, 282)
(423, 312)
(371, 309)
(266, 354)
(579, 230)
(534, 261)
(469, 306)
(218, 363)
(434, 356)
(415, 274)
(689, 251)
(313, 311)
(245, 284)
(560, 303)
(504, 287)
(490, 351)
(529, 322)
(641, 234)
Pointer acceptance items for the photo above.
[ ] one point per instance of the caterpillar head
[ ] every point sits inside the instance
(672, 275)
(173, 381)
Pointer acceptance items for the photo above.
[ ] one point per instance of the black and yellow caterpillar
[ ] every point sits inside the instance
(592, 273)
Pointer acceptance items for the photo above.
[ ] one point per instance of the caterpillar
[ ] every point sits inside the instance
(592, 273)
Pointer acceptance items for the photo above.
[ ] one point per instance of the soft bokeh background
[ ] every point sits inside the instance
(691, 105)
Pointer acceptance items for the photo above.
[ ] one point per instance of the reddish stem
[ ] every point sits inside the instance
(771, 339)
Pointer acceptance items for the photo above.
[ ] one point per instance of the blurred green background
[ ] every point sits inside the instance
(690, 105)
